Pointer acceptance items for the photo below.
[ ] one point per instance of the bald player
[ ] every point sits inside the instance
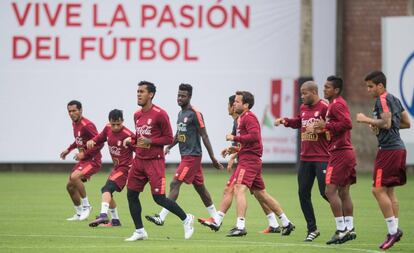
(314, 152)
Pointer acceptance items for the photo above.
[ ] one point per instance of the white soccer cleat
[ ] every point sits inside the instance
(74, 218)
(86, 210)
(189, 227)
(137, 236)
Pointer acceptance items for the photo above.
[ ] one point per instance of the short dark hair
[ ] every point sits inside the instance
(377, 77)
(150, 86)
(186, 87)
(231, 99)
(115, 115)
(337, 82)
(247, 98)
(75, 102)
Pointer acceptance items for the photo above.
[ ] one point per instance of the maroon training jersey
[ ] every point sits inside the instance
(84, 130)
(249, 136)
(313, 147)
(155, 125)
(338, 125)
(121, 156)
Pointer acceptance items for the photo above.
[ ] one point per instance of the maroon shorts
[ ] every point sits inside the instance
(87, 168)
(144, 171)
(390, 168)
(249, 173)
(119, 176)
(189, 171)
(341, 168)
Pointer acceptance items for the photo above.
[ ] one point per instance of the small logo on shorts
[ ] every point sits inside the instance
(176, 174)
(156, 190)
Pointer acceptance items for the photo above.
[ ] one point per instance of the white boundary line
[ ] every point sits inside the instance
(131, 245)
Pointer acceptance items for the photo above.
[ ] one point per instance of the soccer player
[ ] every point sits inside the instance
(390, 163)
(153, 131)
(248, 174)
(114, 133)
(190, 126)
(314, 152)
(340, 173)
(214, 222)
(89, 160)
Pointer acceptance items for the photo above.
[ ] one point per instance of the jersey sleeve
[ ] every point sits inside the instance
(91, 131)
(166, 136)
(253, 131)
(102, 136)
(343, 121)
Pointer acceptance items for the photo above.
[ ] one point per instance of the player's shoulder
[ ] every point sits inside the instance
(323, 103)
(126, 131)
(85, 122)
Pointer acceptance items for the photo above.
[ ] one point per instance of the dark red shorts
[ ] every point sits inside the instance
(119, 176)
(341, 168)
(390, 168)
(144, 171)
(87, 168)
(189, 171)
(249, 173)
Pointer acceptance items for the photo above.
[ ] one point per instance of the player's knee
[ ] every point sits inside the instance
(159, 199)
(132, 195)
(175, 184)
(109, 187)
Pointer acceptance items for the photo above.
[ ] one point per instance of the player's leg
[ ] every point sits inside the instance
(74, 188)
(135, 210)
(306, 178)
(241, 207)
(336, 208)
(107, 190)
(270, 215)
(348, 210)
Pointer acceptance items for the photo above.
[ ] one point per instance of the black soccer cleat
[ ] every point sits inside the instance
(237, 232)
(288, 229)
(156, 219)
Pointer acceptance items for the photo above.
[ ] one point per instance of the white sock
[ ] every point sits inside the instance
(340, 223)
(284, 219)
(212, 210)
(104, 207)
(163, 214)
(396, 220)
(349, 222)
(241, 223)
(392, 225)
(140, 230)
(271, 217)
(219, 217)
(114, 213)
(85, 202)
(187, 219)
(78, 209)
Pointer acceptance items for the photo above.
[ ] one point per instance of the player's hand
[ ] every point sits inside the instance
(319, 125)
(224, 153)
(90, 144)
(361, 118)
(143, 141)
(126, 142)
(229, 137)
(216, 164)
(79, 156)
(230, 166)
(279, 121)
(167, 150)
(64, 154)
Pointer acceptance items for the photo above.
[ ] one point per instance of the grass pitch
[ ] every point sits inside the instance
(34, 208)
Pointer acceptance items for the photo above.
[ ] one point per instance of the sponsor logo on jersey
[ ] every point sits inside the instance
(114, 150)
(182, 127)
(143, 130)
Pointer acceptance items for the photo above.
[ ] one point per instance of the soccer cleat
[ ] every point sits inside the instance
(74, 218)
(189, 227)
(136, 236)
(391, 239)
(102, 219)
(156, 219)
(209, 222)
(352, 234)
(86, 211)
(270, 230)
(237, 232)
(113, 223)
(288, 229)
(312, 236)
(339, 237)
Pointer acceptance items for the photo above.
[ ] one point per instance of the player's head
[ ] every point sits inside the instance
(243, 101)
(116, 119)
(145, 93)
(333, 87)
(376, 83)
(230, 106)
(75, 110)
(185, 91)
(309, 93)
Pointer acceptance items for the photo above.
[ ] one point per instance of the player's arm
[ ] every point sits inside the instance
(253, 133)
(344, 122)
(65, 152)
(167, 136)
(231, 162)
(98, 139)
(292, 122)
(90, 130)
(405, 120)
(383, 122)
(169, 147)
(207, 144)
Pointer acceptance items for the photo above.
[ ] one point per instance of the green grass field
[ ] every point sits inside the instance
(34, 208)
